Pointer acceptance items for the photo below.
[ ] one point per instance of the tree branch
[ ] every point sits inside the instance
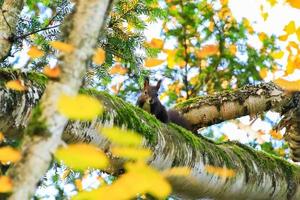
(250, 100)
(259, 175)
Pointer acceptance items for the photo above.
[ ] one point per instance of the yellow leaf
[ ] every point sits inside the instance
(8, 154)
(224, 2)
(34, 52)
(150, 180)
(52, 72)
(153, 62)
(78, 184)
(1, 137)
(265, 15)
(232, 49)
(99, 56)
(17, 85)
(248, 26)
(6, 184)
(82, 156)
(171, 57)
(272, 2)
(117, 69)
(283, 37)
(290, 28)
(156, 43)
(177, 171)
(263, 73)
(126, 187)
(208, 50)
(294, 3)
(298, 34)
(194, 80)
(211, 26)
(276, 135)
(277, 54)
(131, 153)
(262, 36)
(220, 171)
(80, 107)
(288, 85)
(61, 46)
(290, 68)
(121, 137)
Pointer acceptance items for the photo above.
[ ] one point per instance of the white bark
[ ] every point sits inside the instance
(84, 25)
(9, 15)
(259, 175)
(250, 100)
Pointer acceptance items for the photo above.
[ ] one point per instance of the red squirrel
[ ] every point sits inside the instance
(150, 102)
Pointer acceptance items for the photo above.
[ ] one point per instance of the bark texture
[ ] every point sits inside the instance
(259, 175)
(9, 16)
(81, 32)
(249, 100)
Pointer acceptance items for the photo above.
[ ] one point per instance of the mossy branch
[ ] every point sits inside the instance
(259, 175)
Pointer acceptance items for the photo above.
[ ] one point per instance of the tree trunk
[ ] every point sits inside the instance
(81, 31)
(10, 12)
(259, 175)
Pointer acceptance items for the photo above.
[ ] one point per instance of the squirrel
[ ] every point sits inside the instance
(150, 102)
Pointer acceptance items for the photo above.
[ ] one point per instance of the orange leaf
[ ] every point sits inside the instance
(52, 72)
(118, 69)
(276, 135)
(232, 49)
(288, 85)
(78, 184)
(263, 73)
(262, 36)
(99, 56)
(208, 50)
(34, 52)
(283, 37)
(1, 137)
(61, 46)
(156, 43)
(220, 171)
(6, 184)
(294, 3)
(8, 154)
(177, 171)
(17, 85)
(153, 62)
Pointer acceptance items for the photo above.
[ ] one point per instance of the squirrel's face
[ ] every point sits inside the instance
(150, 94)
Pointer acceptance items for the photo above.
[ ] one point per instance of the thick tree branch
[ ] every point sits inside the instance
(250, 100)
(82, 30)
(9, 15)
(259, 175)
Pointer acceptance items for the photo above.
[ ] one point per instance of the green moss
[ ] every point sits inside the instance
(37, 126)
(38, 78)
(126, 114)
(188, 102)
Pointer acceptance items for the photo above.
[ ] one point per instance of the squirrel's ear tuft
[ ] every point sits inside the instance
(146, 82)
(158, 84)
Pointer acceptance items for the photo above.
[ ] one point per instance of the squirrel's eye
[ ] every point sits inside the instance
(145, 92)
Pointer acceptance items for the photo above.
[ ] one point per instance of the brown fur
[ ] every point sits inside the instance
(150, 102)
